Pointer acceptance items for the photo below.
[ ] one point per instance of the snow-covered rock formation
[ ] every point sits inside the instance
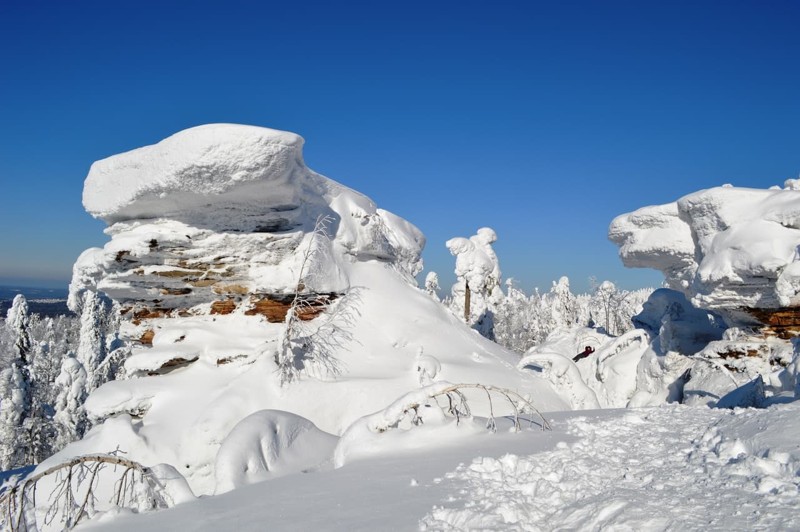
(730, 249)
(216, 257)
(733, 252)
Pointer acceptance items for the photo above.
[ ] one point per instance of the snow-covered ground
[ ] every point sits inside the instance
(662, 468)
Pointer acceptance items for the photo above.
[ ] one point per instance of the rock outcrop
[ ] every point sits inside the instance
(216, 233)
(728, 249)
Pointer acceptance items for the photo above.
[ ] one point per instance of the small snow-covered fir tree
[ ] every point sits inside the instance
(432, 285)
(15, 448)
(70, 417)
(563, 308)
(17, 323)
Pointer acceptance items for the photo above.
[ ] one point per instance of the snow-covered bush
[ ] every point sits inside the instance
(269, 444)
(441, 405)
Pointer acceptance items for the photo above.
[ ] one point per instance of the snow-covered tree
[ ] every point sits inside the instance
(432, 285)
(70, 416)
(16, 390)
(524, 321)
(15, 408)
(17, 323)
(92, 344)
(476, 295)
(562, 303)
(31, 352)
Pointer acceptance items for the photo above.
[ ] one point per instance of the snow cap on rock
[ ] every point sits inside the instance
(185, 170)
(723, 247)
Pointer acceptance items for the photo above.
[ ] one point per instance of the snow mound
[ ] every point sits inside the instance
(268, 444)
(724, 247)
(609, 377)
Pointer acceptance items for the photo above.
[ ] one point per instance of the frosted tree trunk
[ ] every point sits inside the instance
(467, 296)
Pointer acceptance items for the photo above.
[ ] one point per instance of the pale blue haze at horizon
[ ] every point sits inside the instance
(542, 121)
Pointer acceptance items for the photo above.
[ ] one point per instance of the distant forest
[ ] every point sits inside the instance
(47, 302)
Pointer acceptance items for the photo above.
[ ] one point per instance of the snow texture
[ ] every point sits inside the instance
(665, 468)
(679, 468)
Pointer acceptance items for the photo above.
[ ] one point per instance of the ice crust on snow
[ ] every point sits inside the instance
(723, 247)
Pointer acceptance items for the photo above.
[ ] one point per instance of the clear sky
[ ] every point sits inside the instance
(542, 120)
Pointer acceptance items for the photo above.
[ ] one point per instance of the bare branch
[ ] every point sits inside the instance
(18, 503)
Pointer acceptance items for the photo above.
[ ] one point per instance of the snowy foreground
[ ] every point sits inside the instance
(663, 468)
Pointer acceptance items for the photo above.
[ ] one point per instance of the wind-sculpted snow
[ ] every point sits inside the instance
(669, 468)
(236, 165)
(724, 247)
(565, 375)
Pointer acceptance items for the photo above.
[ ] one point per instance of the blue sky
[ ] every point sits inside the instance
(543, 120)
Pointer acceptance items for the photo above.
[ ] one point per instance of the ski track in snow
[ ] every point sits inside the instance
(669, 468)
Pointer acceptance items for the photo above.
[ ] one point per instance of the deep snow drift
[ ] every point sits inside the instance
(212, 240)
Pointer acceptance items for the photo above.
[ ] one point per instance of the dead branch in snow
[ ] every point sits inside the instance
(136, 488)
(458, 406)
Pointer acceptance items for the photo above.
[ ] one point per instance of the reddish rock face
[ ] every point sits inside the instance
(223, 307)
(147, 337)
(781, 322)
(275, 308)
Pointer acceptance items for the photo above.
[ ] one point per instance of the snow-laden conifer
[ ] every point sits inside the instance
(70, 417)
(92, 344)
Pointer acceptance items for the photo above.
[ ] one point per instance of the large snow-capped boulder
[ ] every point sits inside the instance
(221, 211)
(726, 248)
(215, 239)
